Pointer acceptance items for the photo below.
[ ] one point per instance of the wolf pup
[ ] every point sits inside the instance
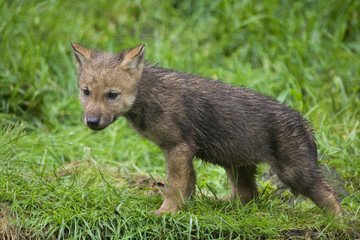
(189, 116)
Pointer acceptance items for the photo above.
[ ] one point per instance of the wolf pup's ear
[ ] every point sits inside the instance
(133, 59)
(82, 54)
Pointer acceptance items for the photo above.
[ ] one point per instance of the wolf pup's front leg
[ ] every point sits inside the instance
(180, 176)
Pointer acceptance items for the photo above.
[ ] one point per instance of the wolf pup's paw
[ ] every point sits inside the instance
(162, 211)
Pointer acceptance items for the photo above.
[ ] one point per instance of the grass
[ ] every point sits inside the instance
(59, 180)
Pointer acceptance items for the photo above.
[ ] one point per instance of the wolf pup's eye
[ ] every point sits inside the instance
(86, 92)
(112, 95)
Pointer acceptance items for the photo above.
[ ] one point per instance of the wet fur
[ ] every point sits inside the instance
(189, 116)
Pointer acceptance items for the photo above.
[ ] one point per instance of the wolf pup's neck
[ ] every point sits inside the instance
(146, 106)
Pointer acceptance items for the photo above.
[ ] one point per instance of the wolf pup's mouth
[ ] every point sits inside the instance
(97, 128)
(97, 124)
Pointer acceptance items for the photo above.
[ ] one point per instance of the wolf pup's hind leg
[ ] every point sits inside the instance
(242, 180)
(305, 177)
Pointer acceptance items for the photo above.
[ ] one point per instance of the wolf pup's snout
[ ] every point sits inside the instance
(93, 122)
(97, 123)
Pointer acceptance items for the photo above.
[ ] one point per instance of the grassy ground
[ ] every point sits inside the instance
(60, 180)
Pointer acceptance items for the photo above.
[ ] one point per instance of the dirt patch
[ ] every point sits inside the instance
(71, 168)
(316, 234)
(7, 230)
(151, 185)
(12, 229)
(300, 234)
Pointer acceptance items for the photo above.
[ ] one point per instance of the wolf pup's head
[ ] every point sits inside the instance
(107, 83)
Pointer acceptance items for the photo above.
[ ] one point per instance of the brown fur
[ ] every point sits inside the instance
(189, 116)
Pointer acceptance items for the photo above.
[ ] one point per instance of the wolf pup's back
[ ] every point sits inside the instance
(187, 116)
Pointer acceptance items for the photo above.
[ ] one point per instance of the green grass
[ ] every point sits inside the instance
(60, 180)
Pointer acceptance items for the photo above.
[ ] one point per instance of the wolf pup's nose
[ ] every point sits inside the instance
(93, 122)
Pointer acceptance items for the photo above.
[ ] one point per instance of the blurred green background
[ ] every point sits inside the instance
(304, 53)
